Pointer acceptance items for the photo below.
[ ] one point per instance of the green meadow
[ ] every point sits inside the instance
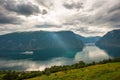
(108, 71)
(103, 70)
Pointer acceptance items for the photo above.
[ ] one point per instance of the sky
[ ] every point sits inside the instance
(84, 17)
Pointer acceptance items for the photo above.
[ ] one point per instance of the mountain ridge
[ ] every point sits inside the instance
(37, 40)
(110, 39)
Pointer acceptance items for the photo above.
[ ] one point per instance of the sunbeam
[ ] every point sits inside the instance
(58, 40)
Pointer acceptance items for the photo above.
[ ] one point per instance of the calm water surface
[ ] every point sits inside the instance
(39, 60)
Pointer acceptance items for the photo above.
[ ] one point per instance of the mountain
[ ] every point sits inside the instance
(110, 40)
(89, 39)
(40, 40)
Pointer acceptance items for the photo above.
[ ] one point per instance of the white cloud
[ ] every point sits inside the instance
(88, 17)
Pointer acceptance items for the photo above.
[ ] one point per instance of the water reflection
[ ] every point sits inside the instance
(112, 51)
(89, 54)
(36, 55)
(29, 65)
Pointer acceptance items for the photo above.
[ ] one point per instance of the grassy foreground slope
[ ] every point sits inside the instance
(108, 71)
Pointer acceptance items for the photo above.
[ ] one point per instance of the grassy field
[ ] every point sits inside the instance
(108, 71)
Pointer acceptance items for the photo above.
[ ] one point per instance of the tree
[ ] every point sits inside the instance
(11, 75)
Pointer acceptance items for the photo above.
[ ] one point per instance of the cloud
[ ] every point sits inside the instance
(21, 8)
(73, 5)
(114, 12)
(9, 19)
(46, 3)
(114, 8)
(97, 13)
(86, 17)
(87, 30)
(46, 25)
(27, 9)
(44, 12)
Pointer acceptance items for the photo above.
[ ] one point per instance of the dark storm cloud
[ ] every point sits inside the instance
(7, 19)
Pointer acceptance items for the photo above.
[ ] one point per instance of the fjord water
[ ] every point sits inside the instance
(39, 60)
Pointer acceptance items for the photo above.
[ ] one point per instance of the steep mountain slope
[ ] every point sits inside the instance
(110, 40)
(40, 40)
(89, 39)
